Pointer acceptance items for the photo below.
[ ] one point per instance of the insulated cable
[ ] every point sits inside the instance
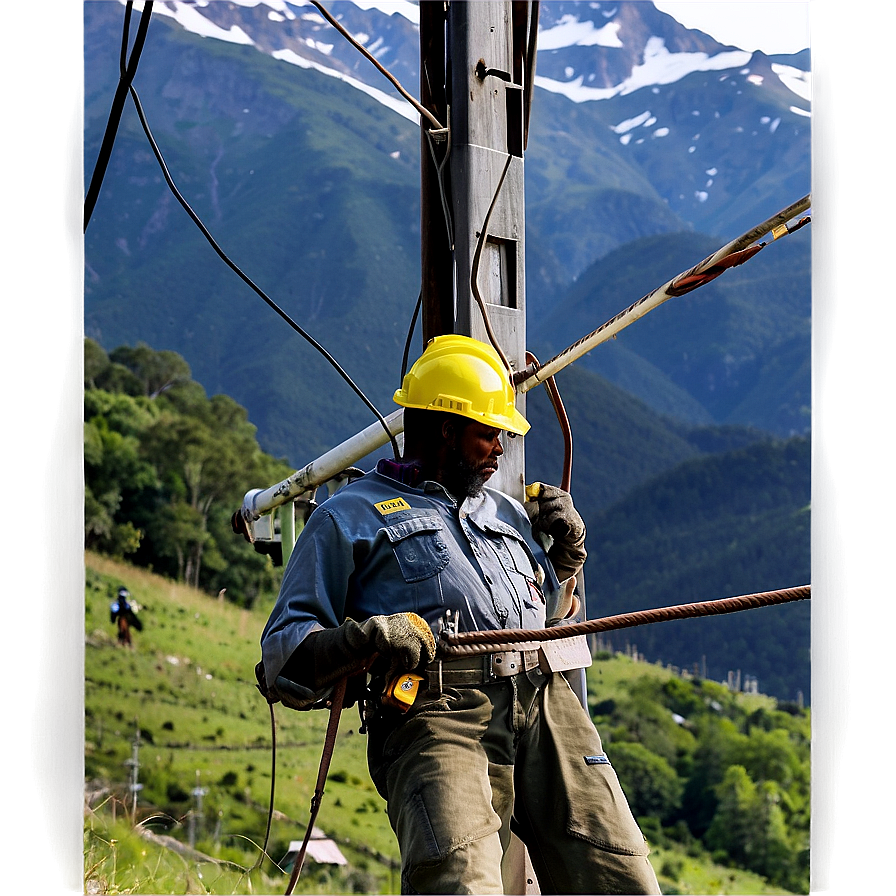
(475, 269)
(440, 172)
(407, 344)
(127, 69)
(529, 86)
(562, 418)
(270, 302)
(267, 832)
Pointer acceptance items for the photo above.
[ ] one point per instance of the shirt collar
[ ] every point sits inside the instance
(407, 474)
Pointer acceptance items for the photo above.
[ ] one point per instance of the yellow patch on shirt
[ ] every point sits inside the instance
(392, 505)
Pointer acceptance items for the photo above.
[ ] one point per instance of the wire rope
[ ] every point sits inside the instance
(466, 643)
(734, 253)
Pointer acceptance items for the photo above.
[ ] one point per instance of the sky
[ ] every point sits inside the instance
(773, 26)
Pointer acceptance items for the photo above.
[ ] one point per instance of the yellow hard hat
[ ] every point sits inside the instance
(464, 376)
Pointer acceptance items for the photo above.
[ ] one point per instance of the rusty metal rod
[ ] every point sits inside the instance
(527, 379)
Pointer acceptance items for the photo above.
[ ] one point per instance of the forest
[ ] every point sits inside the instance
(165, 466)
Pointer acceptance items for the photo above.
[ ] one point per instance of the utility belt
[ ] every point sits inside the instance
(480, 669)
(486, 668)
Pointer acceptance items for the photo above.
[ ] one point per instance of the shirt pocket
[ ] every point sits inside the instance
(419, 546)
(516, 557)
(511, 547)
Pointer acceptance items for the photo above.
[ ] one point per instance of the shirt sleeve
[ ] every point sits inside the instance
(313, 592)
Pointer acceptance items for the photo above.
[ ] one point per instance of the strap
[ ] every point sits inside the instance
(329, 743)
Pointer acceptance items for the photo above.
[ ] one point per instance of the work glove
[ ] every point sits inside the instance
(404, 640)
(562, 605)
(552, 514)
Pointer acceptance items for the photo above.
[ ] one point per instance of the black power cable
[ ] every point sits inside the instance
(407, 344)
(127, 70)
(270, 302)
(126, 86)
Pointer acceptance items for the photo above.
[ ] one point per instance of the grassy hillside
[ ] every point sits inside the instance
(187, 687)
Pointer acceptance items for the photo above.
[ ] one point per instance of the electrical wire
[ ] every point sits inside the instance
(127, 69)
(369, 56)
(440, 171)
(270, 302)
(531, 54)
(407, 344)
(475, 269)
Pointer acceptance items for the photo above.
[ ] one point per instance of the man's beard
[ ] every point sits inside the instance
(461, 478)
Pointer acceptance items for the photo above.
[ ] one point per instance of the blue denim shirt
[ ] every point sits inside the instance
(381, 546)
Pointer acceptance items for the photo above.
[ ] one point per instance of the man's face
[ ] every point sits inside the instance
(472, 458)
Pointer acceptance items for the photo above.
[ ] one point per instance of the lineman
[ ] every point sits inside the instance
(491, 744)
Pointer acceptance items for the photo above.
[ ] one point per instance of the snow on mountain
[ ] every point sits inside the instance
(189, 17)
(586, 51)
(659, 67)
(393, 7)
(396, 104)
(796, 80)
(571, 32)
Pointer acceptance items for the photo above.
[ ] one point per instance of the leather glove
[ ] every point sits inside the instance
(562, 605)
(404, 640)
(551, 513)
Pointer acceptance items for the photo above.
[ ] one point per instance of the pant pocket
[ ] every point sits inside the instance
(599, 811)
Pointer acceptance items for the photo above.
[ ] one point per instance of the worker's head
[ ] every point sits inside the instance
(458, 402)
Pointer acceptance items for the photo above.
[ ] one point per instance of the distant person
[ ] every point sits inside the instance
(123, 614)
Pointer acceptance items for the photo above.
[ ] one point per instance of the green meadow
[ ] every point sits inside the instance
(178, 714)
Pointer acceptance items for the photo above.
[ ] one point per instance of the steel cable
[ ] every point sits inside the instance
(470, 643)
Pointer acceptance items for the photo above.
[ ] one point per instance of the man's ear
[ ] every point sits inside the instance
(449, 433)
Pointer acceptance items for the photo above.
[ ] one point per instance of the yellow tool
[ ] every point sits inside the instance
(533, 491)
(402, 691)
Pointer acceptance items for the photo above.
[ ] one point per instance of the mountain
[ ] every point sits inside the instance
(287, 143)
(731, 523)
(650, 146)
(737, 350)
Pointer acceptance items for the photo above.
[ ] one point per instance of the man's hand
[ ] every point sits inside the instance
(551, 512)
(403, 637)
(404, 640)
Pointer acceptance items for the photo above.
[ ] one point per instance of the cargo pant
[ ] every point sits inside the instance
(468, 765)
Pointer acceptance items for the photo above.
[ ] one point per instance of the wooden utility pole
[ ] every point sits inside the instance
(475, 76)
(476, 68)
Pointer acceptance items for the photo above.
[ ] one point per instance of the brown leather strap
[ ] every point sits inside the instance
(329, 743)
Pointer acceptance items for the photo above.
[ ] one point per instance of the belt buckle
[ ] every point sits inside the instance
(505, 663)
